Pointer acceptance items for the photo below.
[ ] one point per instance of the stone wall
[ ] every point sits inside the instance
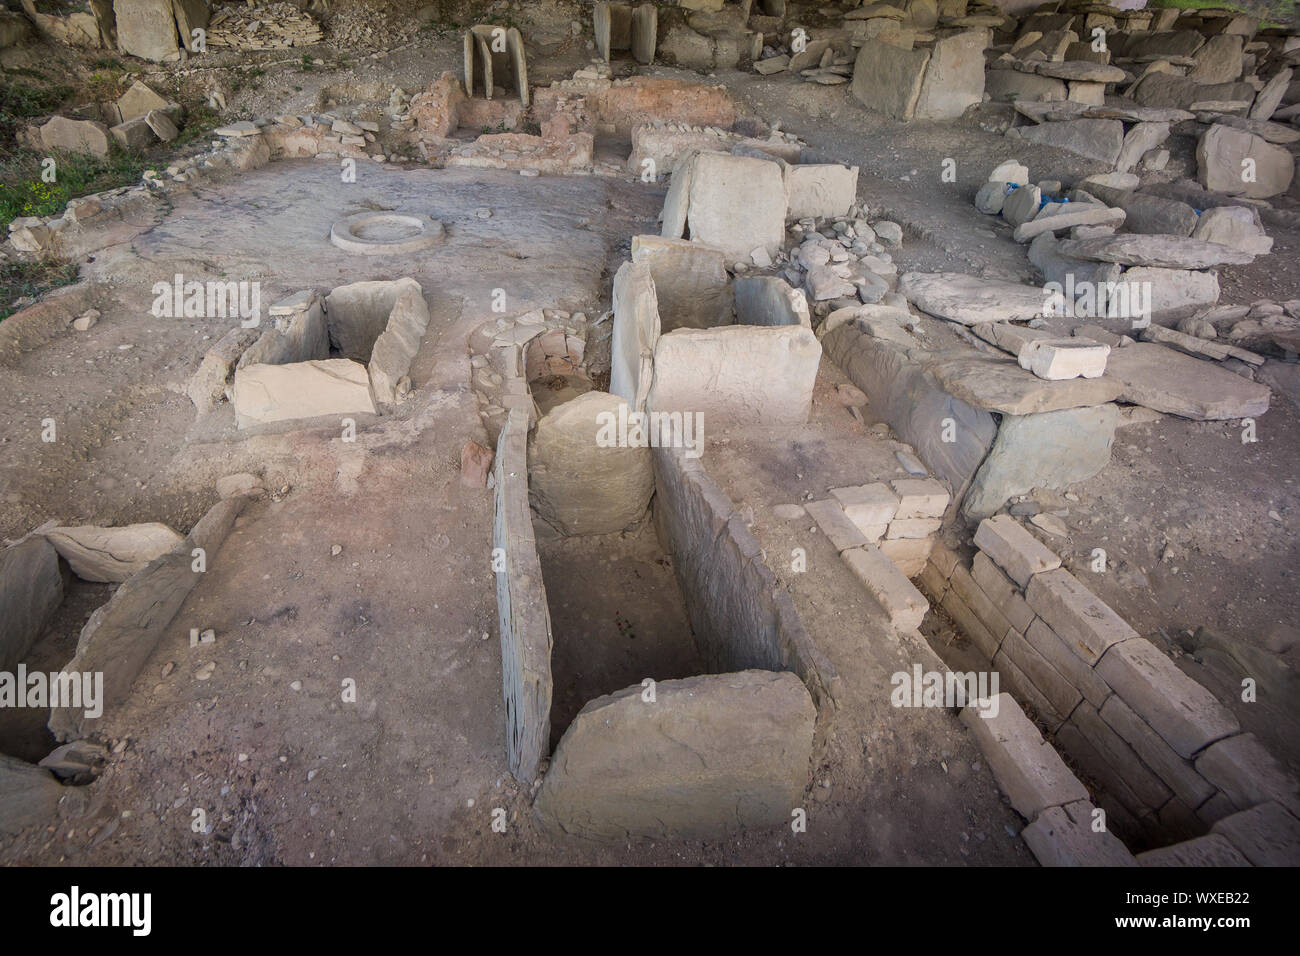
(524, 618)
(741, 617)
(1168, 761)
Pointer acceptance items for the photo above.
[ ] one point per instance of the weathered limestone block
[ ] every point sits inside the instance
(888, 78)
(1177, 384)
(357, 314)
(736, 204)
(582, 481)
(523, 618)
(29, 795)
(1046, 450)
(971, 300)
(902, 603)
(274, 393)
(690, 281)
(1247, 774)
(954, 77)
(147, 29)
(1063, 836)
(737, 374)
(1265, 835)
(1087, 625)
(910, 399)
(1179, 709)
(31, 590)
(712, 755)
(1239, 163)
(122, 634)
(75, 136)
(637, 327)
(1027, 768)
(1014, 549)
(1213, 849)
(208, 385)
(394, 350)
(111, 554)
(1099, 139)
(298, 333)
(769, 300)
(821, 191)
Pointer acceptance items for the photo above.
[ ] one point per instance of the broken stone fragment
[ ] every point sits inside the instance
(111, 554)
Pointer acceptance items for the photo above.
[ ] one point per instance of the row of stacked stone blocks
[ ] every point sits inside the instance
(1170, 758)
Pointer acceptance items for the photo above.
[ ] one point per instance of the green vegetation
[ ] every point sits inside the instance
(20, 102)
(24, 193)
(31, 280)
(1270, 12)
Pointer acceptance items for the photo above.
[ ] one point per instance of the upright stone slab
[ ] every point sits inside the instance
(1047, 450)
(1239, 163)
(712, 755)
(888, 78)
(954, 78)
(395, 349)
(584, 476)
(358, 314)
(769, 300)
(637, 327)
(147, 29)
(75, 136)
(737, 204)
(737, 374)
(29, 795)
(31, 590)
(524, 620)
(1099, 139)
(690, 281)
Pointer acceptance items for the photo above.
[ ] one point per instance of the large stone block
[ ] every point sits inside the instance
(75, 136)
(1027, 768)
(111, 554)
(29, 795)
(736, 204)
(737, 374)
(1266, 835)
(1099, 139)
(1047, 450)
(1179, 709)
(395, 349)
(581, 479)
(31, 590)
(1177, 384)
(1213, 849)
(1087, 625)
(954, 78)
(1178, 773)
(902, 603)
(1014, 549)
(821, 191)
(690, 282)
(273, 393)
(147, 29)
(888, 78)
(1247, 774)
(637, 327)
(1063, 836)
(710, 756)
(1239, 163)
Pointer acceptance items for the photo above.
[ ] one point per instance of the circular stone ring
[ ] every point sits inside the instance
(380, 233)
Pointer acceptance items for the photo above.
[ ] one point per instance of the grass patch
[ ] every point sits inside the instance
(21, 103)
(24, 193)
(32, 280)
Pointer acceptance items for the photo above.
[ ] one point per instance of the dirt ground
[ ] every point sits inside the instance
(1199, 528)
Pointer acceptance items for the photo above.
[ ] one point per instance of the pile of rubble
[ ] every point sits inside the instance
(272, 26)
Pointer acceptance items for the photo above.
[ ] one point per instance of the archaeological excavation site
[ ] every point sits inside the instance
(688, 433)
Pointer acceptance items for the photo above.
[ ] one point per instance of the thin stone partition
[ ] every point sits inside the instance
(741, 616)
(524, 618)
